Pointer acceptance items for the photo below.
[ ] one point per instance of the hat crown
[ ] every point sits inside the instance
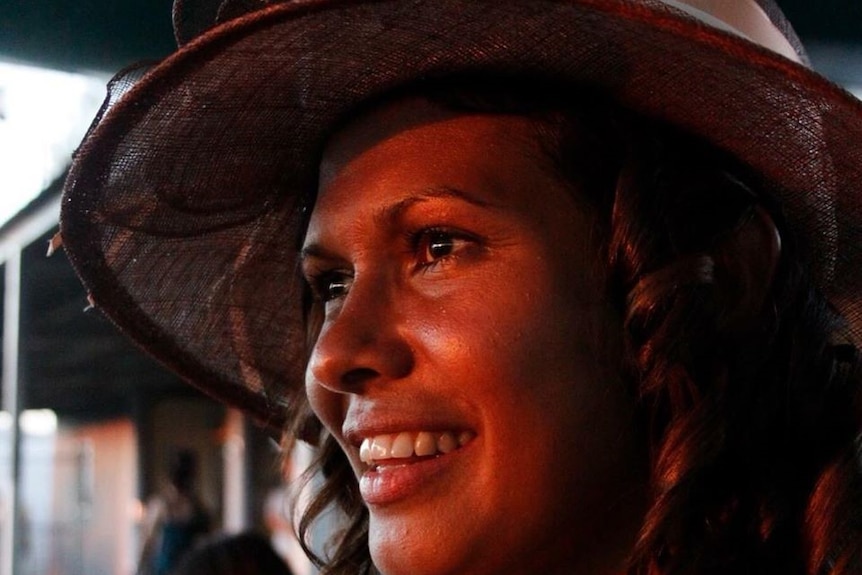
(760, 21)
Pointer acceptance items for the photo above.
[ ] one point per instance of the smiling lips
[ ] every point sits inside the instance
(404, 445)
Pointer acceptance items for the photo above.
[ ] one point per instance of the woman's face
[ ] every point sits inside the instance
(467, 361)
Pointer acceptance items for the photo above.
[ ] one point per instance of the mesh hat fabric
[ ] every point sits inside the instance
(183, 207)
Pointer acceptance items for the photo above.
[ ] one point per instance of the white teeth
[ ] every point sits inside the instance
(447, 443)
(381, 447)
(365, 451)
(402, 446)
(425, 444)
(406, 444)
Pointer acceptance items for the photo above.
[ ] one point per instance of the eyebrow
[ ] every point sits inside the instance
(393, 212)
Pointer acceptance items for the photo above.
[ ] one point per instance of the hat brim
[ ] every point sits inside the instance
(182, 210)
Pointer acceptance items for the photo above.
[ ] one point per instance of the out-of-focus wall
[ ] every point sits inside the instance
(96, 509)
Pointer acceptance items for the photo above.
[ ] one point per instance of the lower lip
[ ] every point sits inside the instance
(390, 484)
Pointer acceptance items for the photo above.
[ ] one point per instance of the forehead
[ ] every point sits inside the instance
(412, 122)
(409, 146)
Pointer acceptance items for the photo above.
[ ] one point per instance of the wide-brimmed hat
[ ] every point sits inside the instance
(183, 205)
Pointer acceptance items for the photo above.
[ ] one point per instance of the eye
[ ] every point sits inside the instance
(330, 285)
(433, 246)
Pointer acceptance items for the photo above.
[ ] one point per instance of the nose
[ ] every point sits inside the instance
(362, 343)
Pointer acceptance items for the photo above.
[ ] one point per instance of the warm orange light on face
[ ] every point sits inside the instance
(462, 363)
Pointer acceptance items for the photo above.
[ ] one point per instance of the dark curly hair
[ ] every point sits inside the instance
(752, 422)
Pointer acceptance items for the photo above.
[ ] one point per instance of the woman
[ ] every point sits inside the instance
(564, 281)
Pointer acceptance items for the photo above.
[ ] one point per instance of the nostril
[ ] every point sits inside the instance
(356, 377)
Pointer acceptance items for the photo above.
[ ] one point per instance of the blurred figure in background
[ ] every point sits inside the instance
(176, 519)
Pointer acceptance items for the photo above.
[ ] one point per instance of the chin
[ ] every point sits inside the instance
(407, 548)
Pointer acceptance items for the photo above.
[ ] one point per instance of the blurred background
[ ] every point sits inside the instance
(97, 420)
(87, 423)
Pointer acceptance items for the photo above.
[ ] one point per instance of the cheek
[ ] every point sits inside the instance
(329, 407)
(509, 324)
(543, 349)
(523, 349)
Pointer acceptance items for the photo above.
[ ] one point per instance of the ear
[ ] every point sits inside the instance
(748, 259)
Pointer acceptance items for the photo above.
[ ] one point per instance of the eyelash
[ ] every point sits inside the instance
(419, 241)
